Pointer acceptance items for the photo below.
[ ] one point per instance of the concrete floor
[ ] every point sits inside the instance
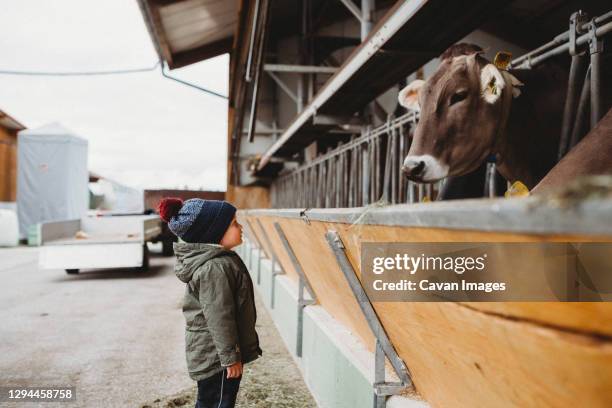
(117, 336)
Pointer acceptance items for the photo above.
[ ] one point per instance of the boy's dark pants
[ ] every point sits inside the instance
(209, 391)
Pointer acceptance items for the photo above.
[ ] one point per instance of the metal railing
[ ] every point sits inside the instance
(365, 170)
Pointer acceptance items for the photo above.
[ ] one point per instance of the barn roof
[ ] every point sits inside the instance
(188, 31)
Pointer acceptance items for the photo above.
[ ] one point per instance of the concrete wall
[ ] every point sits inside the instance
(336, 366)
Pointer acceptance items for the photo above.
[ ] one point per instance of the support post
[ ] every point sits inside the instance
(258, 246)
(581, 114)
(258, 66)
(302, 284)
(595, 49)
(274, 260)
(380, 401)
(381, 387)
(490, 188)
(366, 18)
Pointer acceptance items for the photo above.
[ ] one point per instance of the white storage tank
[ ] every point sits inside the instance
(9, 229)
(52, 176)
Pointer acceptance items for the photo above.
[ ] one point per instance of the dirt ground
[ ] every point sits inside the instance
(271, 381)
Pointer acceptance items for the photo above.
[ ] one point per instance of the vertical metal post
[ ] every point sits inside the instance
(402, 181)
(412, 197)
(258, 67)
(366, 18)
(365, 170)
(258, 244)
(394, 167)
(302, 283)
(581, 116)
(490, 190)
(595, 49)
(274, 261)
(249, 67)
(301, 85)
(428, 191)
(576, 73)
(380, 401)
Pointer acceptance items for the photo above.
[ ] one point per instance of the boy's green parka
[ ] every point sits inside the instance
(219, 308)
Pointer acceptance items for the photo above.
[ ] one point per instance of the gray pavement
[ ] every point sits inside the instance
(117, 335)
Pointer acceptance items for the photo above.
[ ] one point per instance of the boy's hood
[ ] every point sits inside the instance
(192, 256)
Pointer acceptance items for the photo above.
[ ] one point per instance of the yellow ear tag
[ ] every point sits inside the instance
(517, 189)
(426, 199)
(502, 60)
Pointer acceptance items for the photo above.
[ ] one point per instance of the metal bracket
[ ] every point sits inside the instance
(274, 262)
(304, 216)
(383, 344)
(595, 43)
(353, 9)
(596, 51)
(283, 86)
(577, 20)
(302, 283)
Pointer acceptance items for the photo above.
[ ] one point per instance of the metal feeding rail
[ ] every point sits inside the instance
(367, 169)
(357, 173)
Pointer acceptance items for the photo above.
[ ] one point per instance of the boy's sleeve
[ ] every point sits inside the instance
(217, 301)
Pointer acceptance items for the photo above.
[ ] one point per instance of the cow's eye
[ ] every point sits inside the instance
(457, 97)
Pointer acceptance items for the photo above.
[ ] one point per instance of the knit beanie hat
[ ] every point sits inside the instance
(197, 220)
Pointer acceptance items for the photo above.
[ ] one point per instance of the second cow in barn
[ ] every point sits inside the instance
(471, 111)
(592, 156)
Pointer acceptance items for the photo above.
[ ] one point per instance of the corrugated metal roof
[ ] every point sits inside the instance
(188, 31)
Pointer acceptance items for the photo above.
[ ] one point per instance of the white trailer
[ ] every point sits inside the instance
(98, 242)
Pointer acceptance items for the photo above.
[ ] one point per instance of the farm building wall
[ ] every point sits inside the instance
(8, 164)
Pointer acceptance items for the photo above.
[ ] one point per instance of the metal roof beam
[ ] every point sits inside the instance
(300, 69)
(368, 49)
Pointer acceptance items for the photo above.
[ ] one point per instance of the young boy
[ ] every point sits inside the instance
(219, 304)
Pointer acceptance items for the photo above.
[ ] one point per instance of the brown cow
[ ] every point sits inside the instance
(470, 110)
(593, 155)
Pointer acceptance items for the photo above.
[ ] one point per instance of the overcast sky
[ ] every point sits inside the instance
(143, 130)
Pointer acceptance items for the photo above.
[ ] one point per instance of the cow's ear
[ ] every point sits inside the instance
(409, 96)
(491, 83)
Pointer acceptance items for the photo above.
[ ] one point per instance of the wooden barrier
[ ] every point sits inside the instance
(465, 354)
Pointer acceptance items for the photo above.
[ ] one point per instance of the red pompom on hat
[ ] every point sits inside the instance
(169, 207)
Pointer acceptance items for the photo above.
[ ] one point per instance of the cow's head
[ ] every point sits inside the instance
(460, 108)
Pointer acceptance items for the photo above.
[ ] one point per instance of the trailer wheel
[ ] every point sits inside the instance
(72, 271)
(167, 249)
(145, 258)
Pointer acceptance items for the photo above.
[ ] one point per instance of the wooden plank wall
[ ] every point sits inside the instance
(248, 197)
(467, 354)
(8, 165)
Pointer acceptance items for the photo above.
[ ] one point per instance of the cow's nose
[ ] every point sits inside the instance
(414, 168)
